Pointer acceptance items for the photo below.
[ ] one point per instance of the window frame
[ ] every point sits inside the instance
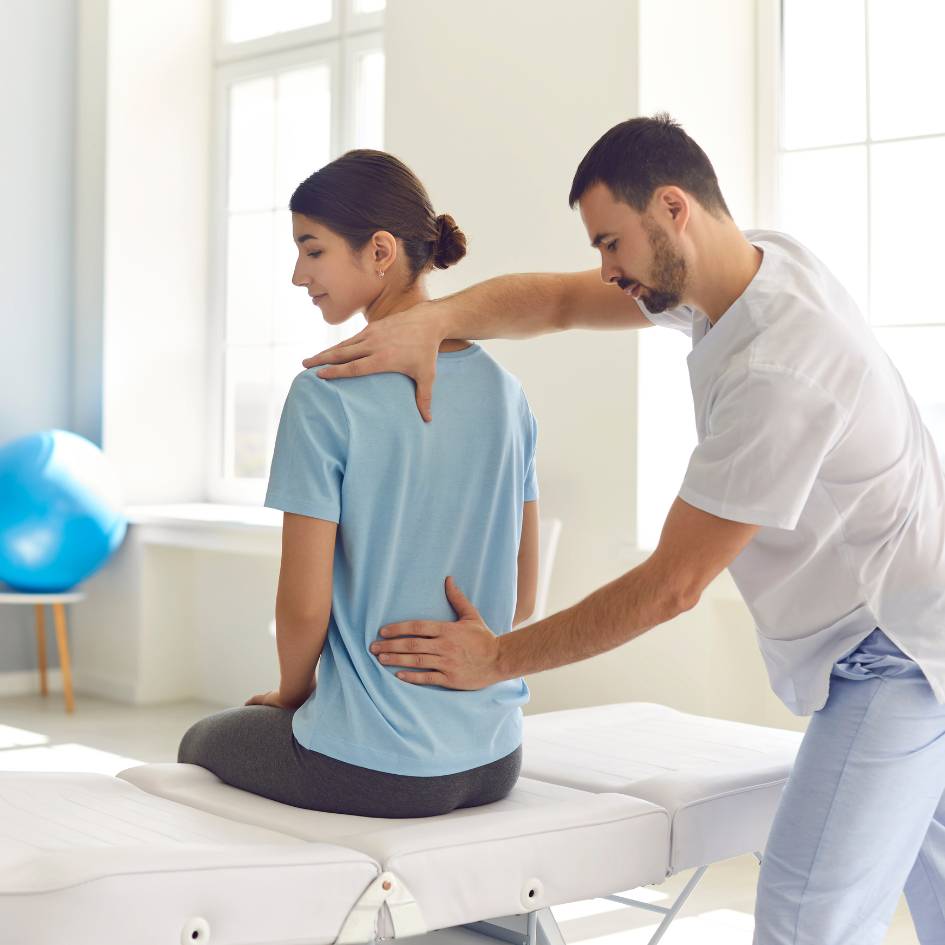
(333, 44)
(769, 115)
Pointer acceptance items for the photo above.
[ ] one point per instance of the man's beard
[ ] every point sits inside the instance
(669, 272)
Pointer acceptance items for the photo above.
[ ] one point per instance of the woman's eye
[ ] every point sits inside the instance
(611, 246)
(316, 254)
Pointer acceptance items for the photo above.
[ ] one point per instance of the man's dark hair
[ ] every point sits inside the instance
(637, 156)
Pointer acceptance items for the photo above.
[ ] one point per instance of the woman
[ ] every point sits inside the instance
(379, 509)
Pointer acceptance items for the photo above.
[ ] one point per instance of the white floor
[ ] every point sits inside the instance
(36, 734)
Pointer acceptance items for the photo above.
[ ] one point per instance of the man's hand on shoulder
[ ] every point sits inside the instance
(405, 342)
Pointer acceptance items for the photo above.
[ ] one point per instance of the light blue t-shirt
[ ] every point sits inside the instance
(414, 502)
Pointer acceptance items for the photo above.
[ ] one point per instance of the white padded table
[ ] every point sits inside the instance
(540, 846)
(720, 781)
(88, 858)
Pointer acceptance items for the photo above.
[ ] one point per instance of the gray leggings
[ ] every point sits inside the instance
(253, 748)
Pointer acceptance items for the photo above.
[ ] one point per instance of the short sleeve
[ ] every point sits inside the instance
(531, 445)
(308, 462)
(767, 435)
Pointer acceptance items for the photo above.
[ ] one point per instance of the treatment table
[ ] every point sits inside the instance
(611, 798)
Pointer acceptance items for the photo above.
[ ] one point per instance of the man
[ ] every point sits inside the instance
(814, 481)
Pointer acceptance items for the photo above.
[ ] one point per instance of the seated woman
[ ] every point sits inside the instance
(380, 508)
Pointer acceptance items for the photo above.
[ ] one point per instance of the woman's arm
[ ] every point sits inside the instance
(528, 560)
(303, 602)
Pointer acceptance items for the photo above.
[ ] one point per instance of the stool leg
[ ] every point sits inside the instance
(59, 616)
(41, 645)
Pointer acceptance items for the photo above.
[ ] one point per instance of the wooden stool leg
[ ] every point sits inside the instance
(41, 645)
(59, 616)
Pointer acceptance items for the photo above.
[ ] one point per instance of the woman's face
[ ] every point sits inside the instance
(339, 280)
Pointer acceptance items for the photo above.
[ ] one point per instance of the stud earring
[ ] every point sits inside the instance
(380, 273)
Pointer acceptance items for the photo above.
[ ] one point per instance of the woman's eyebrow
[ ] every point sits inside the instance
(307, 236)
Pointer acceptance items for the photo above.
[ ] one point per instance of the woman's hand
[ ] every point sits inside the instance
(406, 342)
(459, 655)
(274, 699)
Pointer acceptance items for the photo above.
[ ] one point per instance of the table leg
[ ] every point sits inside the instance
(41, 645)
(59, 616)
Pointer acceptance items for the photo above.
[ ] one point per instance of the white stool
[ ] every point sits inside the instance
(9, 596)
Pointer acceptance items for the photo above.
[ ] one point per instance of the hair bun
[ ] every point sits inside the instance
(450, 244)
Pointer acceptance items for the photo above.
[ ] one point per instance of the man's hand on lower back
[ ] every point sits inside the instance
(463, 654)
(406, 342)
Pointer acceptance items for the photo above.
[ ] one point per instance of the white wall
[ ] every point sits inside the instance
(493, 105)
(37, 117)
(158, 195)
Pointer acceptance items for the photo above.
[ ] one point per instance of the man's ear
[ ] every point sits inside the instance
(674, 205)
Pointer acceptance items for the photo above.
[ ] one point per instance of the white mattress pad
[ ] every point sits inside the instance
(720, 781)
(88, 858)
(542, 845)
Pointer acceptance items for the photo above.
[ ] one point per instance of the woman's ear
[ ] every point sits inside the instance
(383, 251)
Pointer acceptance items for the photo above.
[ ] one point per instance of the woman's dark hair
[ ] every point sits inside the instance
(639, 155)
(365, 191)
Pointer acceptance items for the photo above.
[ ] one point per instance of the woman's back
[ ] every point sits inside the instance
(415, 502)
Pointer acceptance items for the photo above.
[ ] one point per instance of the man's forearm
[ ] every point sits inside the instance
(514, 306)
(614, 614)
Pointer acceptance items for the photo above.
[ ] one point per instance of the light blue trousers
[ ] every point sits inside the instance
(863, 814)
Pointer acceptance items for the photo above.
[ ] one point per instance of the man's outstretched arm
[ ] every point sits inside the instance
(694, 547)
(516, 306)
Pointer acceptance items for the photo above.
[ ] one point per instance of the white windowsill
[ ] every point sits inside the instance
(241, 529)
(249, 529)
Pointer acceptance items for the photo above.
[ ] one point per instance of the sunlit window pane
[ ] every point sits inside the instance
(294, 313)
(369, 6)
(252, 144)
(665, 405)
(304, 127)
(248, 402)
(823, 204)
(918, 354)
(369, 118)
(824, 73)
(252, 19)
(908, 205)
(907, 70)
(249, 278)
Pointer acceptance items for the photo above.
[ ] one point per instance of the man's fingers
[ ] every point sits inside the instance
(425, 398)
(352, 369)
(417, 660)
(423, 679)
(413, 628)
(337, 354)
(459, 601)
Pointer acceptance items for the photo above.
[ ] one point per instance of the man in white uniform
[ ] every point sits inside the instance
(814, 482)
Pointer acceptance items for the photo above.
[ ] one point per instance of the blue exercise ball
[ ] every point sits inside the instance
(60, 511)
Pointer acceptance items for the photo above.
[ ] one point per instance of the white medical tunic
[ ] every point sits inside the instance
(806, 429)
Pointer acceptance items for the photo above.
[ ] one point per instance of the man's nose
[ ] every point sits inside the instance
(608, 273)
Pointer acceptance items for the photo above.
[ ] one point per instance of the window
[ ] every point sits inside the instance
(860, 148)
(298, 82)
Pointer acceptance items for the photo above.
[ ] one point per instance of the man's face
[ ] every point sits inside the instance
(637, 254)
